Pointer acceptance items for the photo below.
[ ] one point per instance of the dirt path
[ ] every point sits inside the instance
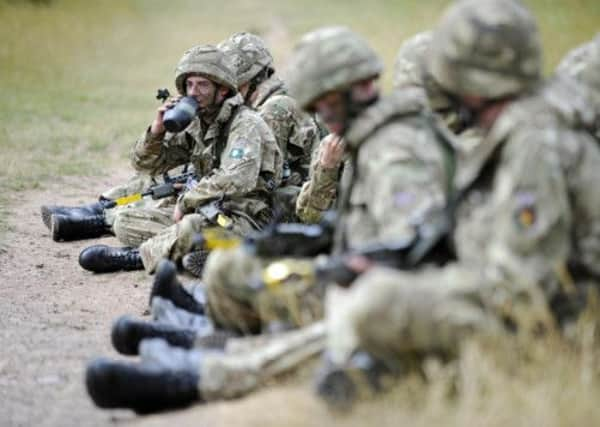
(54, 317)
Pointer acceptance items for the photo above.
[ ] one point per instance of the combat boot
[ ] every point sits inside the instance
(127, 333)
(341, 385)
(76, 227)
(168, 287)
(140, 387)
(83, 211)
(194, 261)
(106, 259)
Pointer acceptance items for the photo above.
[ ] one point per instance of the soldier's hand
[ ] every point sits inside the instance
(358, 263)
(177, 214)
(332, 152)
(158, 127)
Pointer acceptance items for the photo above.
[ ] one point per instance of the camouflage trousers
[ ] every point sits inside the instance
(175, 241)
(238, 298)
(392, 313)
(244, 365)
(135, 223)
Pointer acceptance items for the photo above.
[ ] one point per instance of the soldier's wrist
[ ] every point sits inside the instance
(153, 137)
(181, 203)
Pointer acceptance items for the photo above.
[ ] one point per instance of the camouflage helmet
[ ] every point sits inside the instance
(583, 64)
(408, 64)
(208, 62)
(409, 70)
(248, 55)
(328, 59)
(487, 48)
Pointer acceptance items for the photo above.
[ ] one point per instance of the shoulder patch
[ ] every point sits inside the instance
(237, 153)
(525, 215)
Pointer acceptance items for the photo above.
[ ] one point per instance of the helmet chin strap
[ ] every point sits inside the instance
(256, 81)
(466, 117)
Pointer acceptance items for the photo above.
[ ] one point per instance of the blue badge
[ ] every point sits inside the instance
(236, 153)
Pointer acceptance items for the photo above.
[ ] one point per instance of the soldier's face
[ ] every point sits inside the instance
(203, 90)
(484, 111)
(335, 107)
(331, 109)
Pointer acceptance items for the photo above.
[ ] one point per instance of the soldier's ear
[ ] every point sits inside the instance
(224, 91)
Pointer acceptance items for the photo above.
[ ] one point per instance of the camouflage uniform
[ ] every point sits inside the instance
(319, 193)
(296, 132)
(532, 178)
(235, 158)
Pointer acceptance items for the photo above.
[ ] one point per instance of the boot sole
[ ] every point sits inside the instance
(194, 263)
(121, 341)
(338, 388)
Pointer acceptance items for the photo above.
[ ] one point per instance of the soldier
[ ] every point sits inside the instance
(336, 73)
(526, 217)
(235, 157)
(295, 131)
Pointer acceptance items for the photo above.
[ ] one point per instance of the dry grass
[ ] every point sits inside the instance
(78, 79)
(518, 382)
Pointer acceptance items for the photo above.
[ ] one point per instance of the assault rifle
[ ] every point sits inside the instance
(427, 246)
(290, 242)
(279, 240)
(170, 187)
(276, 240)
(331, 269)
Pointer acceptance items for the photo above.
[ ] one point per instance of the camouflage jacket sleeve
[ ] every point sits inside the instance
(545, 212)
(401, 180)
(240, 164)
(155, 155)
(319, 192)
